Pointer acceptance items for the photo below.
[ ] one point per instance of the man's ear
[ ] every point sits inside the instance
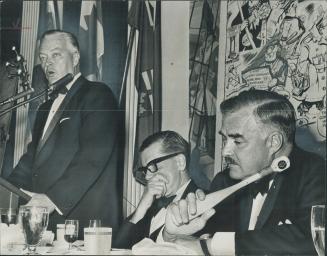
(181, 162)
(275, 141)
(76, 57)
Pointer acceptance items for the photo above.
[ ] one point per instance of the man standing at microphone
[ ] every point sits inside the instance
(71, 163)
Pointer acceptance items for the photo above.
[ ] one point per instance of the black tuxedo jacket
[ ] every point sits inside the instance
(283, 226)
(75, 163)
(130, 233)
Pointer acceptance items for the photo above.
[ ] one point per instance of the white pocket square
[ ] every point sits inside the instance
(66, 118)
(287, 221)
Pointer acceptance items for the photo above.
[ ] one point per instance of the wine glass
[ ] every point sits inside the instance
(8, 215)
(318, 215)
(95, 224)
(34, 221)
(71, 232)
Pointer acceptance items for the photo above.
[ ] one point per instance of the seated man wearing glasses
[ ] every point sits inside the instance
(164, 157)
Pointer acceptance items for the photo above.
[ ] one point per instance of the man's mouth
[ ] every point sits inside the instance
(230, 161)
(50, 73)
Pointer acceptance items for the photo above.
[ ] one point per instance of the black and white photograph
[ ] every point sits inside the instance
(163, 127)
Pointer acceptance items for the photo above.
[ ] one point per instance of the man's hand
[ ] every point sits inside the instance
(40, 200)
(179, 217)
(155, 188)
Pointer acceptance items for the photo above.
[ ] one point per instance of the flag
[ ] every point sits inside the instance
(146, 18)
(91, 39)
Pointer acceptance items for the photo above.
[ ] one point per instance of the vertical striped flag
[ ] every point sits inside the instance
(145, 16)
(91, 39)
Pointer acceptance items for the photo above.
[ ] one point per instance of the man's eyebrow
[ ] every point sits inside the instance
(232, 135)
(54, 49)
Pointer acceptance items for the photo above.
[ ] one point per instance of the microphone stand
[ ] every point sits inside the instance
(61, 82)
(24, 102)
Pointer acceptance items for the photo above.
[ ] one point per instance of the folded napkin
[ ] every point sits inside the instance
(148, 247)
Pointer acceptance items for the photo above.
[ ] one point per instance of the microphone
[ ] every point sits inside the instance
(18, 96)
(278, 165)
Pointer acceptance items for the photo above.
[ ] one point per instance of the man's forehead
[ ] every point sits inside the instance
(151, 152)
(238, 122)
(52, 42)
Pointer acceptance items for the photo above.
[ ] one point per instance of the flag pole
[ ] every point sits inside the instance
(127, 62)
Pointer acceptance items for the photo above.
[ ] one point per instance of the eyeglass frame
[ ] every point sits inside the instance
(144, 169)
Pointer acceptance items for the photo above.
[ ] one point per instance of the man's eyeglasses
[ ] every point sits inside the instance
(152, 167)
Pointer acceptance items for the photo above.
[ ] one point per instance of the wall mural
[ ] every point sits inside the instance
(280, 46)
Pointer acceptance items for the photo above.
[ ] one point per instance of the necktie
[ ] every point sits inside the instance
(60, 89)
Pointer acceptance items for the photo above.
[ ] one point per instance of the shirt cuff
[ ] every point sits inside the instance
(56, 208)
(223, 243)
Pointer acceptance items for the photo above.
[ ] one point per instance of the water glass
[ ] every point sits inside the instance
(34, 221)
(318, 221)
(71, 232)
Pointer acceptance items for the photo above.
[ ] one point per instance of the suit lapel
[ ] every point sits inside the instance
(59, 113)
(270, 201)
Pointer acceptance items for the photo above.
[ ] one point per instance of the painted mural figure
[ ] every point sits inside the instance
(289, 56)
(277, 66)
(312, 67)
(250, 22)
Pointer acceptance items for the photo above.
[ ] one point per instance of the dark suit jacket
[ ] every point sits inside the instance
(290, 197)
(130, 233)
(75, 164)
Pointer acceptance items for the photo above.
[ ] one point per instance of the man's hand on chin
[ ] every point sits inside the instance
(40, 200)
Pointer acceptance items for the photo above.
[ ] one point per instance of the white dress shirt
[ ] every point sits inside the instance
(223, 243)
(56, 103)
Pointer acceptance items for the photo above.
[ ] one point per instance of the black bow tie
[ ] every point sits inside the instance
(54, 93)
(261, 186)
(163, 202)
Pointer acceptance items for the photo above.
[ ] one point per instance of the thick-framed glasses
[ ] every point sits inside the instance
(152, 167)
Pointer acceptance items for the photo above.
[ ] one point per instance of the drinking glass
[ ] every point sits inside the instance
(95, 224)
(71, 232)
(34, 221)
(318, 222)
(8, 215)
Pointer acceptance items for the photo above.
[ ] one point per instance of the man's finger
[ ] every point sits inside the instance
(191, 203)
(200, 194)
(176, 214)
(182, 204)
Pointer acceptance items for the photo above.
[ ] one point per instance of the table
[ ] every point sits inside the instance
(58, 249)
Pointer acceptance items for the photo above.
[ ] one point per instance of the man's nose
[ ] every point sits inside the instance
(48, 62)
(227, 149)
(149, 175)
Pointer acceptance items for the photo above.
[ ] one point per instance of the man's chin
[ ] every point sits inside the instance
(235, 172)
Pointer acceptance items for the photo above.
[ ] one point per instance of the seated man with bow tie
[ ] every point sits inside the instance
(164, 157)
(71, 163)
(272, 216)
